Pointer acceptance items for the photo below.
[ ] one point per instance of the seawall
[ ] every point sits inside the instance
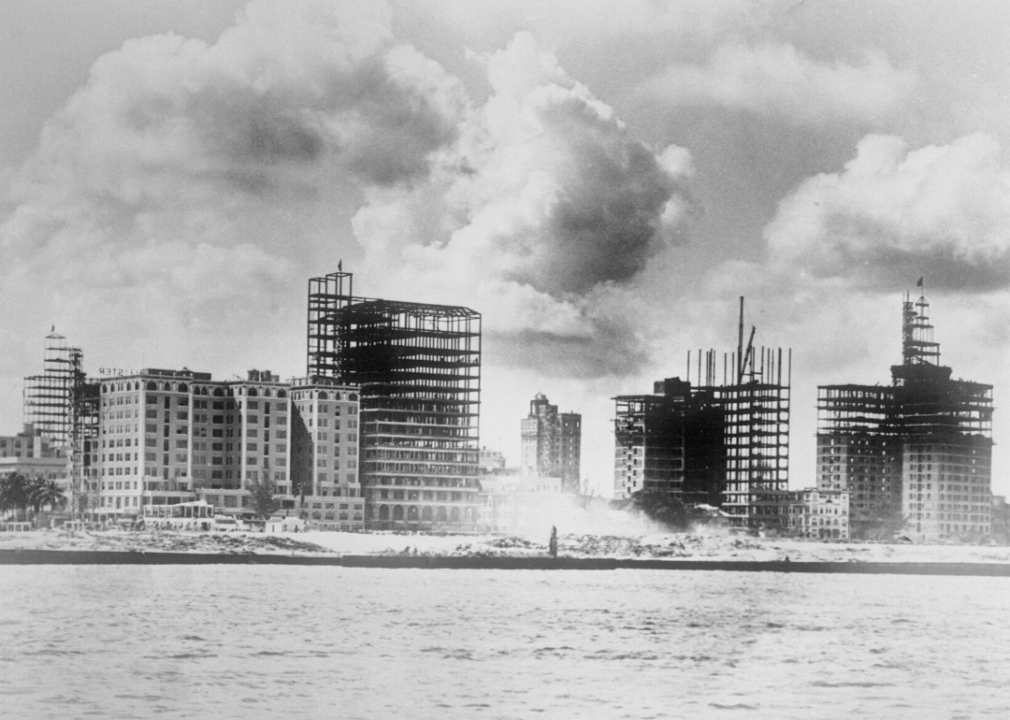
(86, 557)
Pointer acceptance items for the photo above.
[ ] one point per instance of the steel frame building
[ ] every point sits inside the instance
(723, 444)
(924, 441)
(671, 441)
(418, 367)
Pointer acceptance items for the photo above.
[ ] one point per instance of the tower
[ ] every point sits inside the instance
(552, 443)
(418, 369)
(917, 452)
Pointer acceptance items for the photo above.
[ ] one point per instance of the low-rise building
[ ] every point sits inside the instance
(32, 454)
(490, 462)
(819, 514)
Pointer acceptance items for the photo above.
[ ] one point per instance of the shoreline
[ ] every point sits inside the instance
(15, 557)
(577, 550)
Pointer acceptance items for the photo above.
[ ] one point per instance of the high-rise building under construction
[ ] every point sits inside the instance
(418, 369)
(919, 449)
(62, 405)
(724, 444)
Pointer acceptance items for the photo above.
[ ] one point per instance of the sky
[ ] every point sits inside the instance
(601, 180)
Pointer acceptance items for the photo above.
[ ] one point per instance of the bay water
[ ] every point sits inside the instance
(332, 642)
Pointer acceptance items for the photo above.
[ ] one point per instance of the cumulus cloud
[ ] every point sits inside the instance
(778, 80)
(545, 207)
(185, 192)
(221, 162)
(895, 213)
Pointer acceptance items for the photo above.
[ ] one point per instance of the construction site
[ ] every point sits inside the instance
(62, 404)
(721, 444)
(916, 453)
(418, 367)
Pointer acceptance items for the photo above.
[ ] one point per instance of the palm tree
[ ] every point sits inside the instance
(261, 497)
(15, 491)
(46, 492)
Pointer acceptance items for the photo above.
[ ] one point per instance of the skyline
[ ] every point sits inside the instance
(600, 185)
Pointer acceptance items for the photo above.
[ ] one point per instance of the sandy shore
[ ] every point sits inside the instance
(673, 546)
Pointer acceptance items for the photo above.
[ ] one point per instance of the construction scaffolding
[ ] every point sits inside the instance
(418, 367)
(49, 397)
(727, 443)
(921, 446)
(62, 405)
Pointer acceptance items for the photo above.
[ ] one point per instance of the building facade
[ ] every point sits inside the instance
(552, 443)
(490, 462)
(672, 441)
(917, 452)
(172, 436)
(324, 460)
(418, 369)
(819, 514)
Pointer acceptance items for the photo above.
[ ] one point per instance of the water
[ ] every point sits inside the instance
(273, 642)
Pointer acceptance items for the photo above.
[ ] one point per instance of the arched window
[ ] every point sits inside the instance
(282, 393)
(383, 512)
(267, 393)
(352, 396)
(426, 514)
(323, 395)
(183, 387)
(152, 385)
(398, 512)
(412, 513)
(218, 392)
(454, 515)
(252, 392)
(440, 515)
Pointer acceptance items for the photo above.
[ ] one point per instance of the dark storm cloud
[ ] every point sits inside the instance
(607, 220)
